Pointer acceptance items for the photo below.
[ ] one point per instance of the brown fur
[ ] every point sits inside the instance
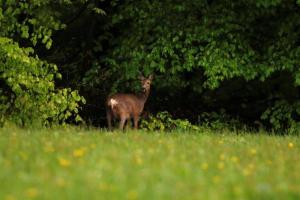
(126, 106)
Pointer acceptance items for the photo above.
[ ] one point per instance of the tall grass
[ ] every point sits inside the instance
(70, 163)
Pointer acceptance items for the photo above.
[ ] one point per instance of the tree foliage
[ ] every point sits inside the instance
(225, 39)
(28, 94)
(222, 40)
(239, 57)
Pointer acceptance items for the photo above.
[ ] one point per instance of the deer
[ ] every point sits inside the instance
(128, 106)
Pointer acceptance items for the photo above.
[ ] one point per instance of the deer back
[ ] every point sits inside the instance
(125, 104)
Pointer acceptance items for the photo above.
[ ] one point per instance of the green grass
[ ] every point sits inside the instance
(94, 164)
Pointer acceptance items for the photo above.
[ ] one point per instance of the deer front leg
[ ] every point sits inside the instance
(108, 117)
(136, 122)
(122, 123)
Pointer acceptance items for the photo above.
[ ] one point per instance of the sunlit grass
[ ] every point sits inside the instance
(93, 164)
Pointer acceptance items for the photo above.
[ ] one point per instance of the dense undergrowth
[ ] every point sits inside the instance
(164, 121)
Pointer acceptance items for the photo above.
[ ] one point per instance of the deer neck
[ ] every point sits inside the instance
(144, 95)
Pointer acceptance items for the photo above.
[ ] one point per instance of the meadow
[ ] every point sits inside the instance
(73, 163)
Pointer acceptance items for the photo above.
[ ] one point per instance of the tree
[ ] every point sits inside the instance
(28, 95)
(212, 42)
(236, 57)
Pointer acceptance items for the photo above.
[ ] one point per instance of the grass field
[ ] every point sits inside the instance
(93, 164)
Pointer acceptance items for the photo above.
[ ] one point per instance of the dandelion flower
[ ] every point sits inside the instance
(216, 179)
(60, 182)
(138, 160)
(234, 159)
(151, 150)
(253, 152)
(269, 162)
(132, 195)
(105, 187)
(78, 152)
(49, 149)
(31, 192)
(246, 172)
(64, 162)
(204, 166)
(290, 145)
(251, 166)
(93, 146)
(237, 190)
(9, 197)
(222, 156)
(23, 155)
(221, 165)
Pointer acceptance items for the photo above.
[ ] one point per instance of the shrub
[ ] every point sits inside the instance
(27, 93)
(282, 116)
(163, 121)
(219, 120)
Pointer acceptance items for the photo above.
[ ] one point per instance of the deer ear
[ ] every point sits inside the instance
(141, 77)
(150, 77)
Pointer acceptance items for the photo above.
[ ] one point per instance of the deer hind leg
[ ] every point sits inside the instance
(109, 117)
(122, 123)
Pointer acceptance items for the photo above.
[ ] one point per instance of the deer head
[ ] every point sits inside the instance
(146, 82)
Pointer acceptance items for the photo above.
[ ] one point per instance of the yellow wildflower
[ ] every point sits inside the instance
(216, 179)
(246, 172)
(78, 152)
(253, 151)
(222, 156)
(151, 150)
(93, 146)
(290, 145)
(132, 195)
(221, 142)
(138, 160)
(49, 149)
(251, 166)
(60, 182)
(31, 192)
(270, 162)
(105, 187)
(23, 155)
(234, 159)
(204, 166)
(64, 162)
(7, 163)
(237, 190)
(221, 165)
(9, 197)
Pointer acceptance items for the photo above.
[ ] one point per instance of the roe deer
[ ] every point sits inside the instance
(127, 106)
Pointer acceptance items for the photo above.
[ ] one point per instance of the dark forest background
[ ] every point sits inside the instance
(212, 60)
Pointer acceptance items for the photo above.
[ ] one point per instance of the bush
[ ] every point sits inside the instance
(163, 121)
(27, 93)
(219, 120)
(282, 116)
